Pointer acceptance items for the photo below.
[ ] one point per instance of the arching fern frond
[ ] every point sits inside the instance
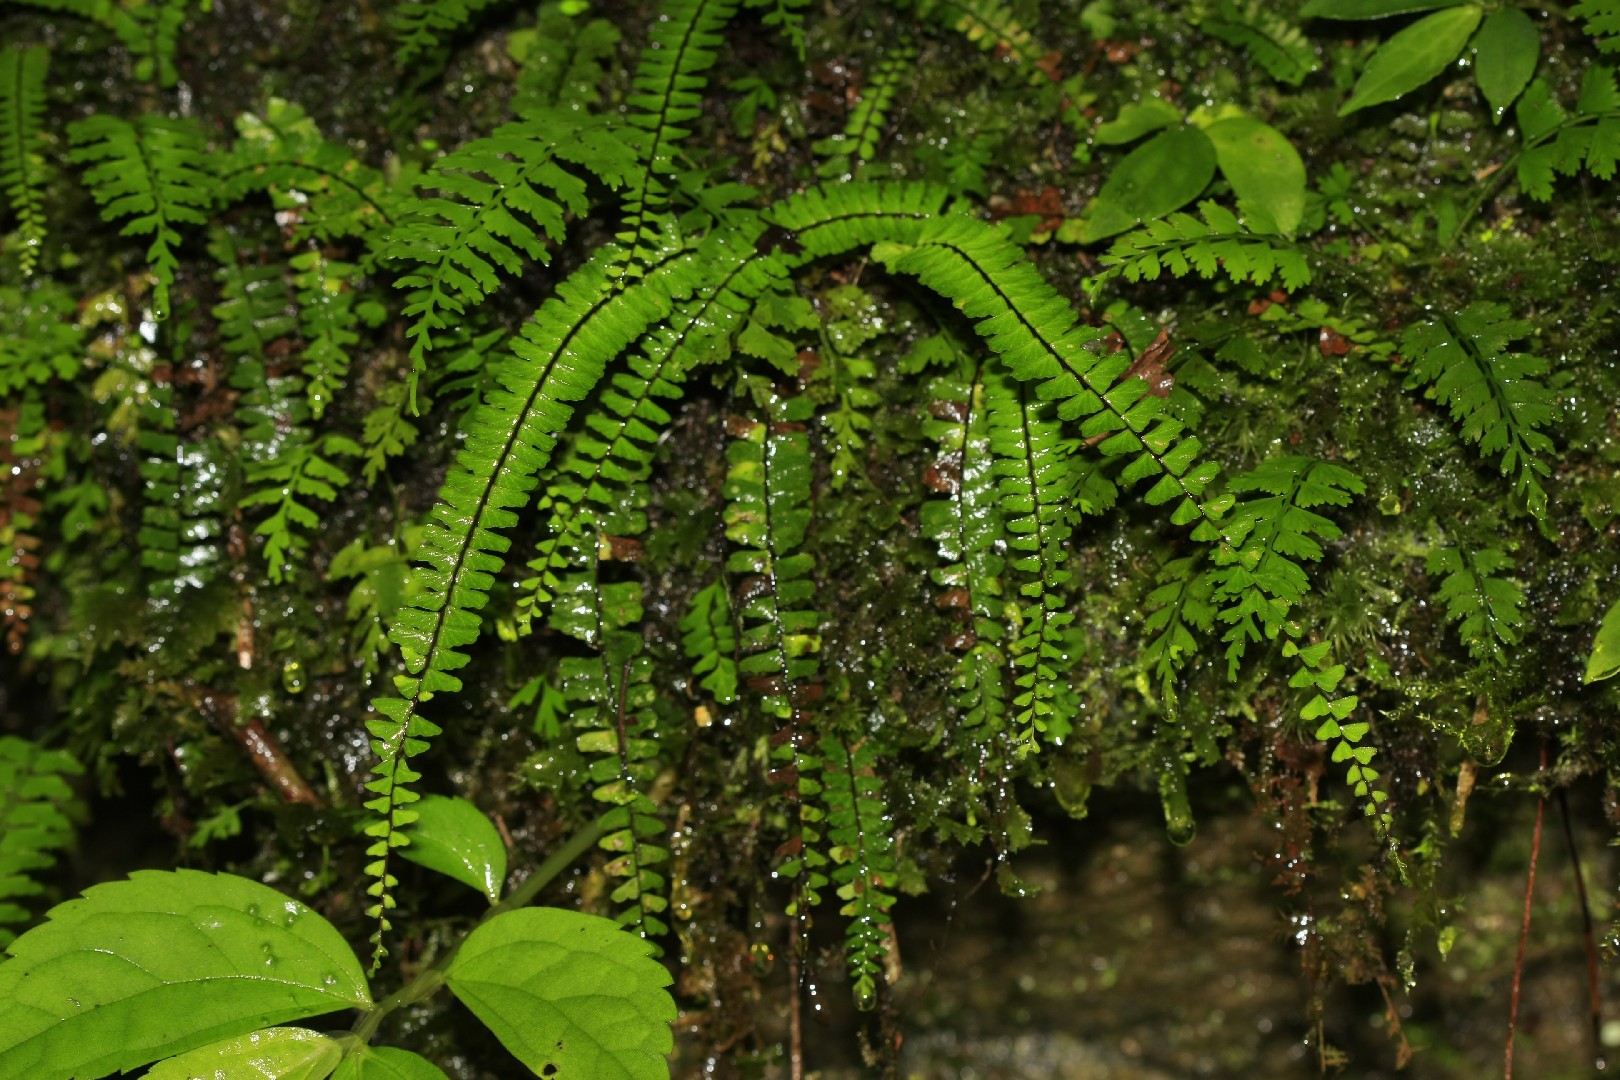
(1181, 244)
(862, 853)
(22, 168)
(1275, 43)
(1487, 609)
(1257, 576)
(155, 172)
(664, 99)
(1462, 362)
(1559, 143)
(498, 196)
(39, 811)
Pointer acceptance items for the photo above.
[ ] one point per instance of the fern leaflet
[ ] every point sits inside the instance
(1463, 363)
(1602, 19)
(327, 318)
(560, 61)
(1182, 244)
(156, 173)
(22, 168)
(1557, 143)
(710, 641)
(39, 811)
(855, 145)
(1271, 40)
(1487, 609)
(421, 25)
(1321, 676)
(862, 853)
(1180, 611)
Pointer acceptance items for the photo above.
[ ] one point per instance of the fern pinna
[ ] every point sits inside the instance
(22, 169)
(39, 815)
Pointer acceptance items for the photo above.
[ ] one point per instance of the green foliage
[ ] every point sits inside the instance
(22, 167)
(1487, 608)
(1604, 662)
(1162, 175)
(1271, 40)
(845, 152)
(283, 1052)
(710, 641)
(1413, 56)
(1560, 143)
(421, 26)
(1462, 362)
(1602, 18)
(1182, 244)
(454, 838)
(38, 814)
(862, 854)
(1505, 53)
(155, 173)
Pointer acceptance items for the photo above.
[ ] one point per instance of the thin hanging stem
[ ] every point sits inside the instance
(1593, 995)
(1524, 926)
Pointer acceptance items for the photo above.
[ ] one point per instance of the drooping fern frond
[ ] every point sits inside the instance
(1181, 244)
(996, 28)
(967, 525)
(149, 29)
(22, 168)
(1320, 677)
(1257, 576)
(845, 152)
(1035, 487)
(1487, 608)
(709, 640)
(861, 847)
(1560, 143)
(665, 98)
(320, 190)
(560, 61)
(1462, 362)
(1274, 42)
(156, 173)
(39, 811)
(183, 502)
(1602, 18)
(498, 196)
(327, 320)
(767, 517)
(1180, 612)
(420, 26)
(787, 17)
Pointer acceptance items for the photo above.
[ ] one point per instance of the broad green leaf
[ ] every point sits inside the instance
(163, 963)
(1162, 175)
(387, 1063)
(271, 1054)
(1604, 663)
(1264, 170)
(1505, 53)
(570, 995)
(1369, 9)
(1136, 120)
(1412, 57)
(454, 837)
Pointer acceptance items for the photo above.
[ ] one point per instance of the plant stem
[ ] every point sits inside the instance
(1524, 928)
(428, 982)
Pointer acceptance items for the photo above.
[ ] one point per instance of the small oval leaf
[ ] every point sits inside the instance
(387, 1063)
(1136, 120)
(1604, 663)
(454, 837)
(1350, 10)
(1505, 53)
(1412, 57)
(272, 1054)
(1264, 170)
(570, 995)
(163, 963)
(1164, 174)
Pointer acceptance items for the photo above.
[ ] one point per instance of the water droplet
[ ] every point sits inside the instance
(1178, 816)
(292, 677)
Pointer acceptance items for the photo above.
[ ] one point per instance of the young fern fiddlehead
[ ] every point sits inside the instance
(22, 168)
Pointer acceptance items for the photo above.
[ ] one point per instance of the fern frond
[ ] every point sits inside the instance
(320, 190)
(709, 640)
(767, 517)
(968, 527)
(555, 362)
(498, 196)
(183, 502)
(995, 27)
(561, 61)
(22, 168)
(155, 172)
(1180, 612)
(39, 811)
(1182, 244)
(665, 98)
(386, 432)
(1275, 43)
(1559, 143)
(39, 340)
(1463, 363)
(151, 31)
(844, 153)
(787, 16)
(861, 847)
(1487, 609)
(328, 321)
(1602, 18)
(1036, 333)
(1035, 487)
(1321, 677)
(420, 26)
(1257, 576)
